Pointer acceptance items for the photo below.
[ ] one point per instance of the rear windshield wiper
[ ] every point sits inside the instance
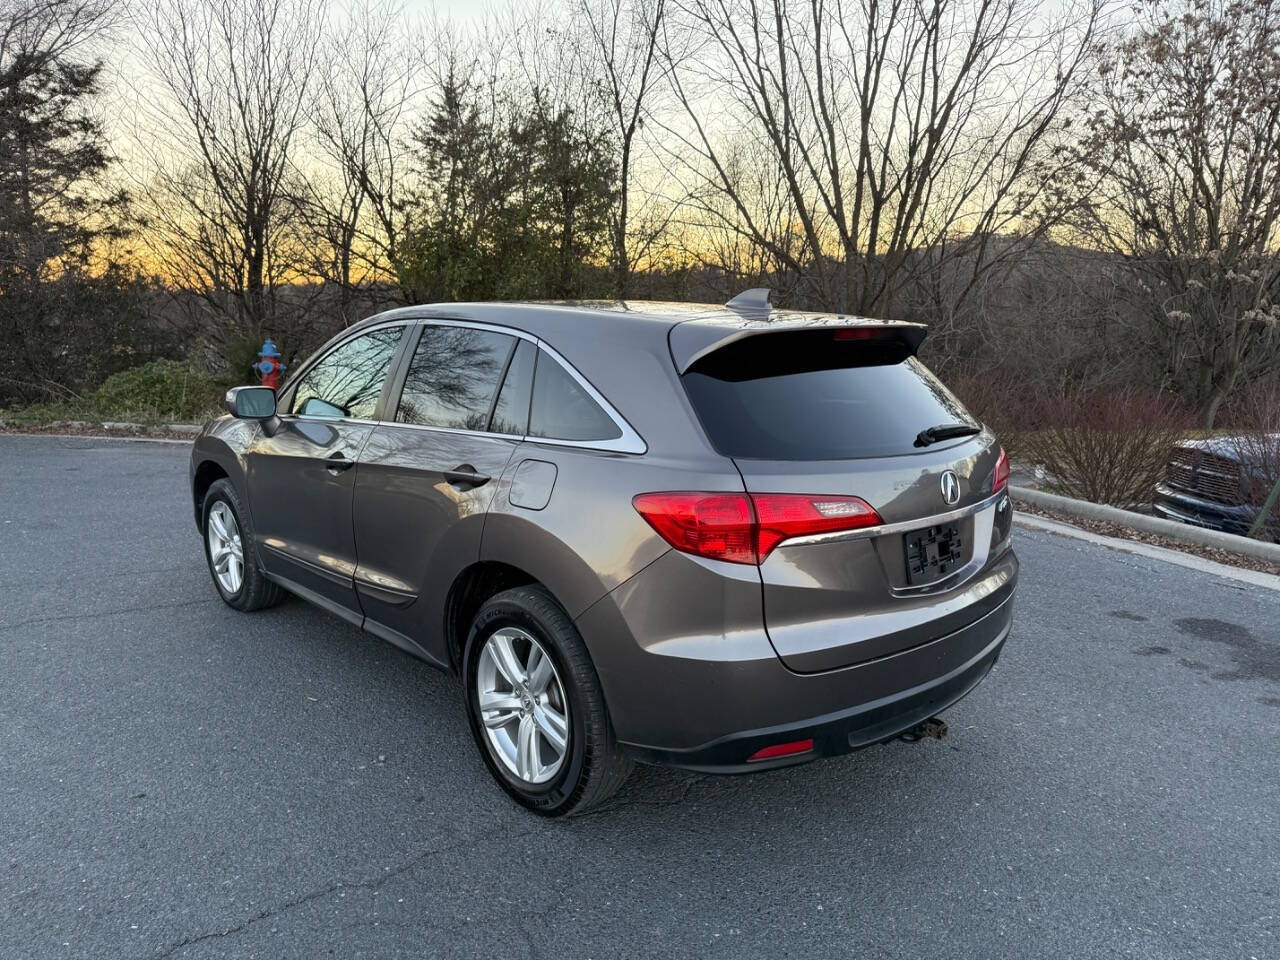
(946, 431)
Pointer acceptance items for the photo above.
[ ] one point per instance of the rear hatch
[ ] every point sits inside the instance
(844, 409)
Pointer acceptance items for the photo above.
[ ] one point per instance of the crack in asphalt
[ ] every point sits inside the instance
(657, 803)
(141, 608)
(373, 883)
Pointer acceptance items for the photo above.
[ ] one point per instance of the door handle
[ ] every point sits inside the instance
(464, 475)
(335, 463)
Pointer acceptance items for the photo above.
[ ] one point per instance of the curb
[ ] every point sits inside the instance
(1137, 548)
(97, 437)
(1186, 533)
(122, 426)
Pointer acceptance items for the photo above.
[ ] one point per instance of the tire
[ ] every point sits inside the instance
(592, 767)
(253, 590)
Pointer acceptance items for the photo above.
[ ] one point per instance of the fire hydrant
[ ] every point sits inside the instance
(269, 367)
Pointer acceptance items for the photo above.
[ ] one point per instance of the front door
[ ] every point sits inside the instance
(426, 478)
(301, 478)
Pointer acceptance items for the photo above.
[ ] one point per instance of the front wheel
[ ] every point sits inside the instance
(536, 707)
(228, 546)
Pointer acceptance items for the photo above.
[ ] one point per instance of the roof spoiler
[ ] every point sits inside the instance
(750, 314)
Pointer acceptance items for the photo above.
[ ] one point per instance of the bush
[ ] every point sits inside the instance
(1107, 445)
(159, 390)
(1004, 401)
(65, 337)
(162, 390)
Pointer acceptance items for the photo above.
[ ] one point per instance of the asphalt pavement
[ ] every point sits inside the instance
(181, 780)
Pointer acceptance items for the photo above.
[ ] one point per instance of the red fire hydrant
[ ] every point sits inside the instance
(269, 367)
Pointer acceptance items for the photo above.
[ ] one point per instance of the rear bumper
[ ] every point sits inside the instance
(1174, 504)
(692, 680)
(847, 730)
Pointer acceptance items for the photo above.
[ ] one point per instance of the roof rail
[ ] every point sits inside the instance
(757, 298)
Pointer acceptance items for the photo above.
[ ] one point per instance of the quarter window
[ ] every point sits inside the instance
(453, 377)
(563, 410)
(347, 381)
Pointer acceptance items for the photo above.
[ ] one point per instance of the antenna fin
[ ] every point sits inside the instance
(757, 298)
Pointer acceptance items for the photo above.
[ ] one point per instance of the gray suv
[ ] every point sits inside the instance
(724, 538)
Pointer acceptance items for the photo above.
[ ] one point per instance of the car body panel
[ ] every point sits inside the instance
(221, 444)
(307, 540)
(415, 530)
(586, 539)
(835, 600)
(686, 663)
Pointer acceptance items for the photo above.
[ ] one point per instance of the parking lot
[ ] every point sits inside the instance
(180, 780)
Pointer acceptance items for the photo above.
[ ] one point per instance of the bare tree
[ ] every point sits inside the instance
(624, 35)
(908, 134)
(1179, 174)
(363, 108)
(230, 102)
(37, 33)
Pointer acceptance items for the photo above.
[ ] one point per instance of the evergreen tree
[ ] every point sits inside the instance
(66, 312)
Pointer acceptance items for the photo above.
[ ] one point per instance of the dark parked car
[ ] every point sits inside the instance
(724, 538)
(1220, 482)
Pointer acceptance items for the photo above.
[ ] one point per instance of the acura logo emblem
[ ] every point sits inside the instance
(950, 487)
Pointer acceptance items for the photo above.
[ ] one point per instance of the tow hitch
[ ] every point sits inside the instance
(932, 729)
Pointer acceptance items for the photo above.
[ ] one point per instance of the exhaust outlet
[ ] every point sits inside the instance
(934, 728)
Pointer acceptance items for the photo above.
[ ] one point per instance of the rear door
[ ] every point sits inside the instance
(301, 477)
(427, 475)
(823, 413)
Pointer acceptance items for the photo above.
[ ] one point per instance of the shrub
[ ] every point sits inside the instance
(1003, 400)
(159, 390)
(162, 390)
(1107, 445)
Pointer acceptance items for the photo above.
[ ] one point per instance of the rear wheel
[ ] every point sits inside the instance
(228, 547)
(536, 707)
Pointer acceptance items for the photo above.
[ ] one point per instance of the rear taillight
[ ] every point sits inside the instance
(717, 525)
(782, 516)
(744, 528)
(1001, 478)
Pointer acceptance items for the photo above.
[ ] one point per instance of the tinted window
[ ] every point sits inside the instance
(785, 397)
(346, 381)
(453, 377)
(511, 414)
(562, 409)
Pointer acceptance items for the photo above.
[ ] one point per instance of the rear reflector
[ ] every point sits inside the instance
(744, 528)
(1001, 478)
(781, 750)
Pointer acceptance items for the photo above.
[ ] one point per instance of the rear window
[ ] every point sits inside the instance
(810, 396)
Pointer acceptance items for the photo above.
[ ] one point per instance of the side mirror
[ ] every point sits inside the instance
(251, 403)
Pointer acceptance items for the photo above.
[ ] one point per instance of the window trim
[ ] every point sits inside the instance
(389, 400)
(286, 395)
(629, 442)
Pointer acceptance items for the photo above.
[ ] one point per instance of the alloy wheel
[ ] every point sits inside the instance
(225, 550)
(522, 705)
